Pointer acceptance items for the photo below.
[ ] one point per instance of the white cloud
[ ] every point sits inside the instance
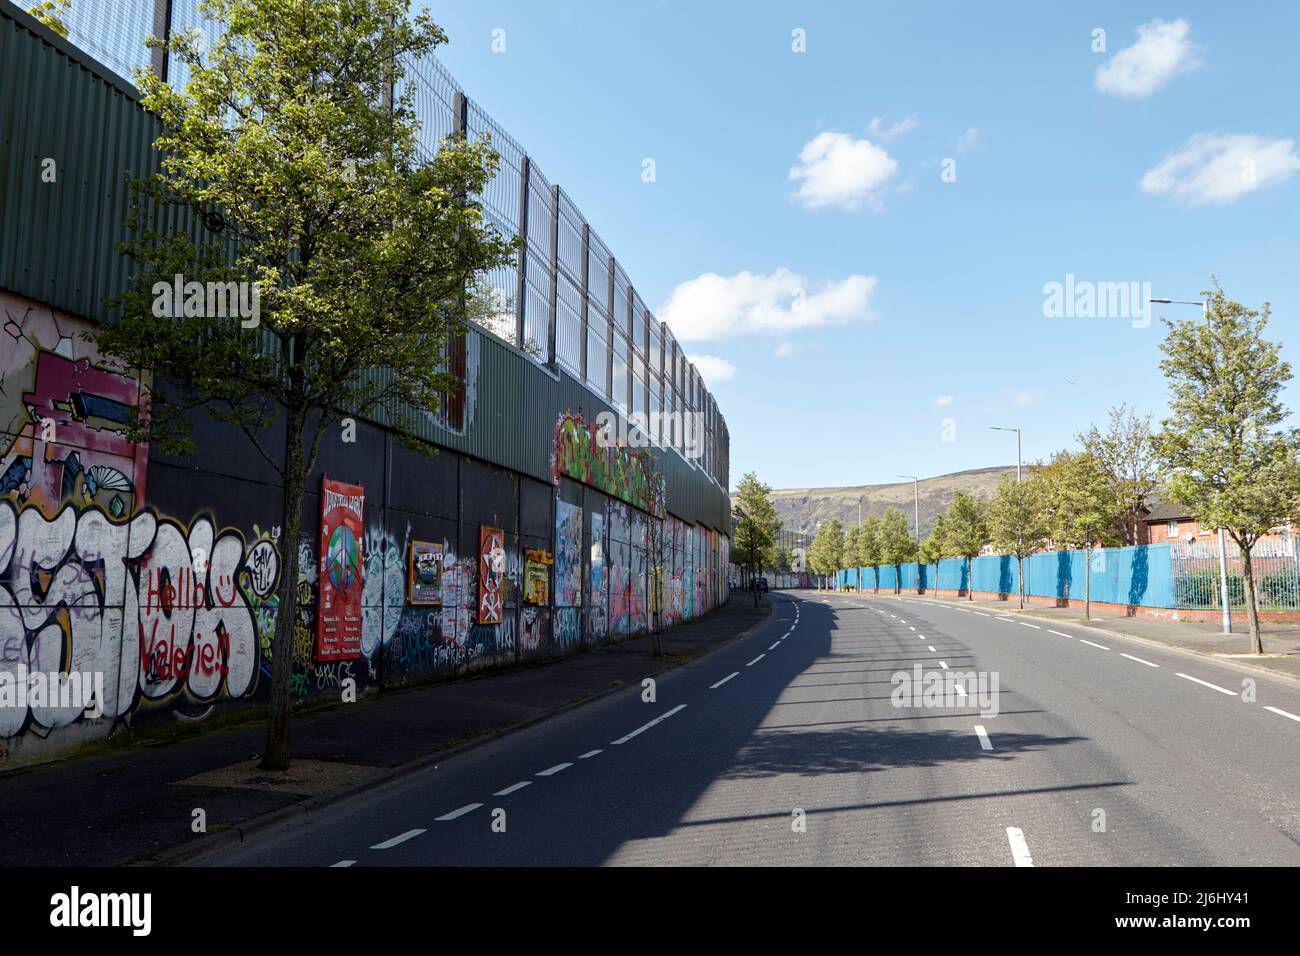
(968, 140)
(836, 170)
(784, 350)
(1161, 51)
(713, 369)
(1025, 397)
(880, 131)
(942, 401)
(1220, 168)
(712, 307)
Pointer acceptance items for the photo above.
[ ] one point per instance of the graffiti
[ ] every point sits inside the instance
(568, 554)
(598, 594)
(383, 592)
(64, 413)
(582, 453)
(491, 567)
(159, 610)
(532, 633)
(568, 627)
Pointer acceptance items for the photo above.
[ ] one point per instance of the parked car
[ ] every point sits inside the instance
(762, 584)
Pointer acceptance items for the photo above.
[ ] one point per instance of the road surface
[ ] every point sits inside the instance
(787, 748)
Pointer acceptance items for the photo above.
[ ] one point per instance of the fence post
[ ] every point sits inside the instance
(159, 59)
(555, 277)
(586, 280)
(521, 283)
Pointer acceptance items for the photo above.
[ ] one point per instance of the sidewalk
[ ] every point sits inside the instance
(138, 802)
(1281, 641)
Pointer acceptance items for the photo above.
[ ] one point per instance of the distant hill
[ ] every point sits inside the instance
(801, 508)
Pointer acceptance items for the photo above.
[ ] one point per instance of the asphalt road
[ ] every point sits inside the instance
(785, 748)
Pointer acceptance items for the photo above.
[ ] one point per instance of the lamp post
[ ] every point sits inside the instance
(1020, 564)
(916, 523)
(999, 428)
(1223, 538)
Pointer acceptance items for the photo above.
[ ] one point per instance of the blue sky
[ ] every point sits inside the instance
(862, 300)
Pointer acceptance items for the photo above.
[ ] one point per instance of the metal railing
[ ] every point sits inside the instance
(1274, 566)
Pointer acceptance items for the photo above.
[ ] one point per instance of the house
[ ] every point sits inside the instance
(1170, 521)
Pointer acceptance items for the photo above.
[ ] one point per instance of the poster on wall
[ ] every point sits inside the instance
(424, 581)
(491, 570)
(537, 575)
(568, 554)
(338, 602)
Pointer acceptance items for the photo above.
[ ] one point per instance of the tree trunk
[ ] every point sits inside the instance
(1252, 610)
(898, 579)
(276, 756)
(970, 585)
(1020, 578)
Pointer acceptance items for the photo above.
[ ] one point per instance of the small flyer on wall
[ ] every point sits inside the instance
(338, 607)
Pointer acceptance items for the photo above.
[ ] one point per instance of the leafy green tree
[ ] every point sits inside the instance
(51, 13)
(1017, 522)
(852, 535)
(897, 546)
(288, 143)
(758, 528)
(1231, 458)
(1127, 453)
(932, 548)
(1081, 509)
(869, 555)
(966, 531)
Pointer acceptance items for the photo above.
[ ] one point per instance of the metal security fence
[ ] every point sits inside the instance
(566, 303)
(1198, 582)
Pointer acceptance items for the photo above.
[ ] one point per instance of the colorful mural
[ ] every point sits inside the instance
(598, 580)
(491, 569)
(425, 573)
(568, 554)
(537, 575)
(582, 453)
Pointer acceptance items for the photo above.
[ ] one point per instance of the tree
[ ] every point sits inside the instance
(1016, 521)
(1231, 460)
(869, 555)
(827, 551)
(659, 545)
(1081, 509)
(852, 534)
(50, 13)
(1127, 454)
(897, 546)
(353, 252)
(758, 528)
(965, 532)
(932, 547)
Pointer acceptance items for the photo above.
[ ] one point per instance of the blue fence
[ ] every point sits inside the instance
(1141, 575)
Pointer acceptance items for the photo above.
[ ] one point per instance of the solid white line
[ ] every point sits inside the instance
(787, 634)
(1283, 713)
(724, 680)
(1034, 626)
(1059, 634)
(468, 808)
(943, 665)
(1138, 659)
(1205, 683)
(773, 647)
(401, 837)
(646, 726)
(1019, 848)
(932, 650)
(756, 660)
(590, 753)
(552, 771)
(985, 743)
(342, 863)
(512, 788)
(1091, 644)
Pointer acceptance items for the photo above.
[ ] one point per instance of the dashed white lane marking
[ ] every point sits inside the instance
(943, 665)
(512, 788)
(1091, 644)
(460, 812)
(1007, 619)
(1138, 659)
(402, 837)
(1283, 713)
(1206, 683)
(342, 863)
(552, 771)
(1034, 626)
(932, 650)
(589, 754)
(962, 609)
(724, 680)
(911, 629)
(646, 726)
(983, 735)
(1059, 634)
(756, 660)
(775, 643)
(961, 691)
(1019, 848)
(981, 614)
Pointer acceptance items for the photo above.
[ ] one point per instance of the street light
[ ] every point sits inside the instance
(1223, 538)
(999, 428)
(916, 521)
